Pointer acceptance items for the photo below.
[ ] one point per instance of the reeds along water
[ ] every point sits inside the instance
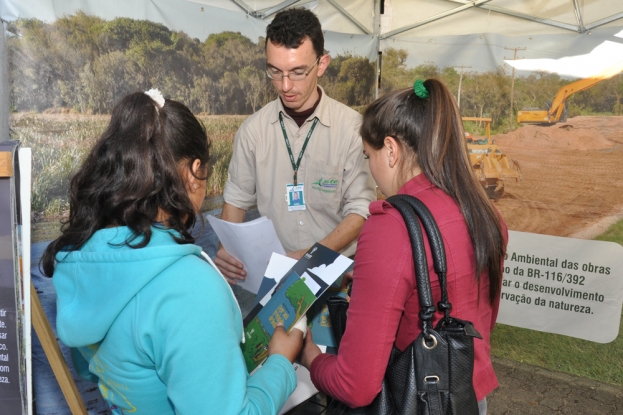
(60, 142)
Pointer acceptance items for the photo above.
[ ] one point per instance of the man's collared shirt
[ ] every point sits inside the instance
(336, 177)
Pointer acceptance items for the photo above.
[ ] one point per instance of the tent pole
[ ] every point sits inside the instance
(243, 6)
(263, 14)
(377, 35)
(349, 16)
(604, 21)
(474, 3)
(578, 16)
(5, 101)
(524, 16)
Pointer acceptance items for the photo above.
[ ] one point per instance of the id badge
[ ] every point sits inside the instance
(295, 196)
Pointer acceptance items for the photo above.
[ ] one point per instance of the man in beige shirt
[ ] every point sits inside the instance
(300, 158)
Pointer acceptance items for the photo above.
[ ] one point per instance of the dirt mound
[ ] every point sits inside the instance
(565, 191)
(577, 134)
(610, 127)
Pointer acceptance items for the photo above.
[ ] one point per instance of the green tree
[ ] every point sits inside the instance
(122, 33)
(104, 81)
(349, 79)
(424, 71)
(394, 72)
(230, 52)
(356, 80)
(202, 95)
(252, 81)
(44, 68)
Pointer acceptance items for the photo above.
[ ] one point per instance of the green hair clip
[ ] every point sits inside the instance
(420, 89)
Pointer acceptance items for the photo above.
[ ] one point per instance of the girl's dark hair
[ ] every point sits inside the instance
(432, 130)
(133, 172)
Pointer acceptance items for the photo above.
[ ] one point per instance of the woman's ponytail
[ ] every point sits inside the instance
(429, 126)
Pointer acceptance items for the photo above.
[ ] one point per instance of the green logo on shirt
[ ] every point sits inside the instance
(325, 185)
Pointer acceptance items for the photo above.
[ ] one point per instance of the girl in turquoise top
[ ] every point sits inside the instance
(149, 319)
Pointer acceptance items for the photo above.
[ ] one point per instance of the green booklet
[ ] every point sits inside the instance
(292, 297)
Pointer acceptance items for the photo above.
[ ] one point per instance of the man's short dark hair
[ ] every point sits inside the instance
(290, 27)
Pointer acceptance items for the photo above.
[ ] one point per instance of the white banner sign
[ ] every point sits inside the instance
(563, 285)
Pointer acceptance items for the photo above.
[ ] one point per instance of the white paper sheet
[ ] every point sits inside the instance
(277, 268)
(252, 243)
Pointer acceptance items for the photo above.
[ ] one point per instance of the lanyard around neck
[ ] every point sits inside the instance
(295, 166)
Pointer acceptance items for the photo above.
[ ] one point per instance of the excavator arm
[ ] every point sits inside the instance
(555, 111)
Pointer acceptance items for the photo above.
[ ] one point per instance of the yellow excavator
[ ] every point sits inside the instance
(556, 111)
(491, 165)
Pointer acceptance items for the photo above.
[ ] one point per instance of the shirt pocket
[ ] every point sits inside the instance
(325, 187)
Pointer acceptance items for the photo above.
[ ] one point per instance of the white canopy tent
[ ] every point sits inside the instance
(479, 34)
(392, 18)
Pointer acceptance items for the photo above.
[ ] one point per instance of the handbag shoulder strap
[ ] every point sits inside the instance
(438, 251)
(412, 209)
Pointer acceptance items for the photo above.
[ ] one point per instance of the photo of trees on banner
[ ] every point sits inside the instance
(66, 75)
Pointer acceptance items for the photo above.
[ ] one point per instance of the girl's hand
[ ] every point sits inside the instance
(286, 344)
(310, 351)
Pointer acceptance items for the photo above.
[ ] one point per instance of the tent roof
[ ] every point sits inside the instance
(574, 38)
(446, 17)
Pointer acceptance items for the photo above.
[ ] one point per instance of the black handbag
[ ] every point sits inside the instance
(433, 375)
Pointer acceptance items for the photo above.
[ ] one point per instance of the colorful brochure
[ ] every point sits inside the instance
(290, 299)
(319, 321)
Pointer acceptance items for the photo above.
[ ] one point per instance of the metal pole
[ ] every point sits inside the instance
(460, 82)
(512, 117)
(379, 55)
(5, 102)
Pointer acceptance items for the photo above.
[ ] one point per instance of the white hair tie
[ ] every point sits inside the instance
(156, 96)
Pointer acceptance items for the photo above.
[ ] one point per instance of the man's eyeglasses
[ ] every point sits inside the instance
(297, 75)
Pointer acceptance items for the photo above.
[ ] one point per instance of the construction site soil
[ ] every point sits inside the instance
(573, 177)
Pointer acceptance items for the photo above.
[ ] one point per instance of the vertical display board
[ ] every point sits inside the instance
(13, 325)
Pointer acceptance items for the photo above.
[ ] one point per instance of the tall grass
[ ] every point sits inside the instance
(60, 142)
(613, 234)
(221, 131)
(602, 362)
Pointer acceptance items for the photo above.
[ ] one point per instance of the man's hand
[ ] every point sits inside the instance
(230, 267)
(310, 351)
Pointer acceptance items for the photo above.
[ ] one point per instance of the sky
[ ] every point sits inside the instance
(606, 56)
